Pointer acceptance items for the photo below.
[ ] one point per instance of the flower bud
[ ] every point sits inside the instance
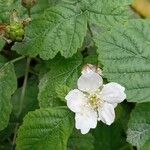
(15, 32)
(89, 67)
(28, 3)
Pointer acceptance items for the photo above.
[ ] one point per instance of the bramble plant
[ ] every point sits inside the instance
(74, 75)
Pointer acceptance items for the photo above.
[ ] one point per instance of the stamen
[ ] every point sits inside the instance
(95, 101)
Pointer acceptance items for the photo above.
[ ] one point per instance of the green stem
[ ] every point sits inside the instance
(17, 59)
(89, 28)
(24, 86)
(15, 135)
(29, 12)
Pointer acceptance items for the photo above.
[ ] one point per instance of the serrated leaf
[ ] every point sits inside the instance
(61, 71)
(61, 91)
(79, 141)
(47, 129)
(8, 85)
(106, 13)
(139, 125)
(61, 28)
(124, 53)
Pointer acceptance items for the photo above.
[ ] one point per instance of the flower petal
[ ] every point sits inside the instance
(90, 81)
(106, 113)
(86, 120)
(113, 93)
(76, 100)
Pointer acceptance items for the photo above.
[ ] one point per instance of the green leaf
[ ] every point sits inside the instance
(61, 71)
(61, 91)
(2, 61)
(106, 13)
(7, 7)
(79, 141)
(124, 53)
(47, 129)
(61, 28)
(20, 68)
(146, 146)
(139, 125)
(91, 59)
(8, 85)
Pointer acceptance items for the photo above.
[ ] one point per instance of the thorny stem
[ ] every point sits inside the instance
(24, 86)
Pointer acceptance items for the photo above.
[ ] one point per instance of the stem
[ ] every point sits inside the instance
(24, 86)
(29, 12)
(15, 135)
(89, 28)
(17, 59)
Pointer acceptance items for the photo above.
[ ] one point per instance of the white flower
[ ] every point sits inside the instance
(93, 101)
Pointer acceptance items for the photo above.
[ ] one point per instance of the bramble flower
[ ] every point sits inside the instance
(94, 101)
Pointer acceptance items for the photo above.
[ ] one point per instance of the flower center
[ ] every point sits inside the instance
(95, 101)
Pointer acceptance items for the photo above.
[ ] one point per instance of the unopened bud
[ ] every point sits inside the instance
(28, 3)
(15, 32)
(89, 67)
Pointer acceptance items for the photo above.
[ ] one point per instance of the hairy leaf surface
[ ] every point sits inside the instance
(125, 55)
(61, 71)
(62, 27)
(139, 126)
(46, 129)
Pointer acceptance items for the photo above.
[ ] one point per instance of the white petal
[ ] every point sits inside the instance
(113, 93)
(89, 82)
(114, 104)
(86, 120)
(76, 100)
(106, 113)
